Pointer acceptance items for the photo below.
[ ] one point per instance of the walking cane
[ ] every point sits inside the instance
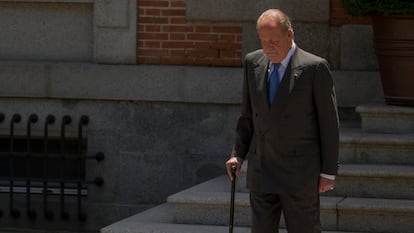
(233, 190)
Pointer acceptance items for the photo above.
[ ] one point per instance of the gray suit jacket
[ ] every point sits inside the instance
(291, 142)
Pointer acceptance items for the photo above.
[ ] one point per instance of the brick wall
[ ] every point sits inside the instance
(165, 37)
(340, 17)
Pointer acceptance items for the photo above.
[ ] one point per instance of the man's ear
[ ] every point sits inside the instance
(290, 33)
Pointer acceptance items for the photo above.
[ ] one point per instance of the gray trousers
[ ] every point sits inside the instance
(301, 212)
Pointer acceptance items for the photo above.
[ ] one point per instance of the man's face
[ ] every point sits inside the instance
(275, 42)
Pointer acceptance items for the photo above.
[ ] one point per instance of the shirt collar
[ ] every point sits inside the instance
(285, 62)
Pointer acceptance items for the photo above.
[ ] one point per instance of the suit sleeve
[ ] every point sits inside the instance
(327, 113)
(244, 128)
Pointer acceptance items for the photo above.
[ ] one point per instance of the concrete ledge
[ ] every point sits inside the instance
(155, 83)
(122, 82)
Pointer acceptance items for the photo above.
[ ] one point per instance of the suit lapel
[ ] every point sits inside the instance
(261, 75)
(292, 73)
(283, 91)
(296, 69)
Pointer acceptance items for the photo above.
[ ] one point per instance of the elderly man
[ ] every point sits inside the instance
(289, 127)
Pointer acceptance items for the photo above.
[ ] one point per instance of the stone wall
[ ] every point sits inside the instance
(151, 150)
(98, 31)
(159, 134)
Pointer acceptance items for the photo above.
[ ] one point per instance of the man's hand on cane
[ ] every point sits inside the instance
(238, 162)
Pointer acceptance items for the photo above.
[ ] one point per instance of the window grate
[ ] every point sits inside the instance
(45, 164)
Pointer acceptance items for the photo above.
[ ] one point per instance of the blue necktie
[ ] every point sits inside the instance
(273, 83)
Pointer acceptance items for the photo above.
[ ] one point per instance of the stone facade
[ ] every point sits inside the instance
(162, 128)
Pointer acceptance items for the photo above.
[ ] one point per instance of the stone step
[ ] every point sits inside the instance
(375, 148)
(212, 208)
(154, 227)
(205, 208)
(383, 118)
(376, 215)
(365, 180)
(160, 219)
(208, 203)
(375, 181)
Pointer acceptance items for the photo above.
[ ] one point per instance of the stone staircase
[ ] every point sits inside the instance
(374, 189)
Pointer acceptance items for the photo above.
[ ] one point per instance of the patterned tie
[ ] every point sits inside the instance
(273, 83)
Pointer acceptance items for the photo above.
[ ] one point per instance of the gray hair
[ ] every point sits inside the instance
(278, 15)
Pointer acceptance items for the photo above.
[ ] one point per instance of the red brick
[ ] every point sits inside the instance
(153, 36)
(202, 45)
(224, 45)
(177, 20)
(165, 37)
(230, 54)
(227, 29)
(141, 44)
(202, 28)
(204, 53)
(152, 28)
(149, 3)
(177, 44)
(152, 44)
(152, 12)
(180, 4)
(201, 36)
(177, 36)
(228, 37)
(153, 20)
(173, 12)
(141, 28)
(178, 52)
(153, 52)
(177, 28)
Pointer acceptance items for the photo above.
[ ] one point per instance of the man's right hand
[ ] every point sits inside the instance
(234, 161)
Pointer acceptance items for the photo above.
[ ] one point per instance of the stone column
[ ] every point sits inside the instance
(115, 31)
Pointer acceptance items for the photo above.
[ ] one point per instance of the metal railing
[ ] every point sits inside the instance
(56, 169)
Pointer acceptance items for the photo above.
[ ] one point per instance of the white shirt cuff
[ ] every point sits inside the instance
(331, 177)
